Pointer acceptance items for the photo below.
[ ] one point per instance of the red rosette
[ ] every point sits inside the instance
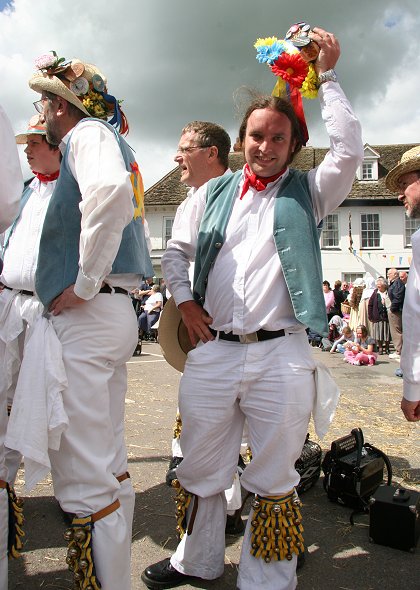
(292, 68)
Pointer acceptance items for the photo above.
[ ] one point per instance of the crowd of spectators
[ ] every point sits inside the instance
(364, 318)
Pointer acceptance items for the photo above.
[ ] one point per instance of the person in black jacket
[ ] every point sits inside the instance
(396, 293)
(377, 314)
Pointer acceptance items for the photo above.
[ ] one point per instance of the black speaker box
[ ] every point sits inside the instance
(395, 517)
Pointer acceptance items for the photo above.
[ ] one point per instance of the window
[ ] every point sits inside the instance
(329, 236)
(167, 230)
(350, 277)
(412, 224)
(367, 171)
(370, 230)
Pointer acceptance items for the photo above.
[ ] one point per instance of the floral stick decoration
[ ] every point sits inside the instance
(290, 60)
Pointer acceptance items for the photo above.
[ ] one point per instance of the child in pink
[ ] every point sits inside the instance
(361, 351)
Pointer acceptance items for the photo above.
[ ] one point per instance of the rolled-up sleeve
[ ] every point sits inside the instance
(410, 354)
(96, 162)
(180, 252)
(332, 180)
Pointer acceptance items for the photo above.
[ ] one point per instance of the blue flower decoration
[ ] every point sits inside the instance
(269, 53)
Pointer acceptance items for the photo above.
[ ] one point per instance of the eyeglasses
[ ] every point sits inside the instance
(186, 150)
(39, 105)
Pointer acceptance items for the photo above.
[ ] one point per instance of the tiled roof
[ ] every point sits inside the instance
(170, 191)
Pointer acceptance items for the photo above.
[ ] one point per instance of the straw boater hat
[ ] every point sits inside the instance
(410, 162)
(81, 84)
(36, 126)
(173, 336)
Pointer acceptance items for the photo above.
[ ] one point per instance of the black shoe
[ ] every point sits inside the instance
(234, 525)
(171, 473)
(163, 575)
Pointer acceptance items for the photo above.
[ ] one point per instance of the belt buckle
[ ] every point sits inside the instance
(248, 338)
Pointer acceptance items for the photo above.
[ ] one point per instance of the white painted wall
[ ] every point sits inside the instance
(374, 261)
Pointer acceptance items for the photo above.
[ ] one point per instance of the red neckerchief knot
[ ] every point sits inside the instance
(257, 182)
(46, 177)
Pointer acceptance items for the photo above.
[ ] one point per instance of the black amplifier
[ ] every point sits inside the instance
(353, 470)
(395, 517)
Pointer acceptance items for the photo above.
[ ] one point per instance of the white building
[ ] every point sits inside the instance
(368, 233)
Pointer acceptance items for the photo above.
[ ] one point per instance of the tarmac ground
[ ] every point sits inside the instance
(339, 556)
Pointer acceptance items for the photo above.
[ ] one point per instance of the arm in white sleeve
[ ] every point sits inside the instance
(331, 181)
(97, 164)
(11, 182)
(410, 355)
(181, 247)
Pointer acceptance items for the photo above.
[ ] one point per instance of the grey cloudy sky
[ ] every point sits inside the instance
(173, 61)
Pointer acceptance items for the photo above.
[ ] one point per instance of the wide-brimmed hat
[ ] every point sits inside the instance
(173, 336)
(410, 162)
(82, 84)
(36, 126)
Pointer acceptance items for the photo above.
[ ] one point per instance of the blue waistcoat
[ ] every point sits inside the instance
(58, 260)
(295, 235)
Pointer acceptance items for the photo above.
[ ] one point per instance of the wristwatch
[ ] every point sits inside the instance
(328, 76)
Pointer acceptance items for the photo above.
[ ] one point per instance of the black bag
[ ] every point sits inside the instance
(354, 470)
(308, 465)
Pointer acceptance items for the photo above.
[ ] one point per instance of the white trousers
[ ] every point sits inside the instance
(22, 312)
(272, 385)
(97, 339)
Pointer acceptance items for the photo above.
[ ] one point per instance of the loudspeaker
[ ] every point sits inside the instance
(395, 517)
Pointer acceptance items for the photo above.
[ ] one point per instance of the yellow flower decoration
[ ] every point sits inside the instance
(266, 41)
(95, 104)
(309, 88)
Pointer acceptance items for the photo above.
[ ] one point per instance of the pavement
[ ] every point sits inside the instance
(339, 556)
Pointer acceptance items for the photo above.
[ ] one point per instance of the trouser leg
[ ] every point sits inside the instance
(4, 517)
(118, 386)
(97, 339)
(202, 552)
(211, 437)
(395, 325)
(278, 406)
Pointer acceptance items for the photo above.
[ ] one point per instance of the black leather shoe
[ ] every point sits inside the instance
(162, 575)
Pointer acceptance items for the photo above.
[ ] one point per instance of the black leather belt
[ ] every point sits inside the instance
(249, 338)
(107, 289)
(21, 291)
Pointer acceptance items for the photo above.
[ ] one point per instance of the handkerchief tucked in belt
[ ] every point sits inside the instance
(326, 399)
(38, 418)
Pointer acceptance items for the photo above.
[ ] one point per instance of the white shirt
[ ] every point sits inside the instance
(21, 256)
(11, 182)
(246, 289)
(97, 164)
(152, 300)
(410, 354)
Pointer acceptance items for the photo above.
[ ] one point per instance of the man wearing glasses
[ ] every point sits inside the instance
(202, 154)
(92, 253)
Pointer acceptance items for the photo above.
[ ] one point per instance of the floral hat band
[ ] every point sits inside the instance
(36, 126)
(81, 84)
(290, 60)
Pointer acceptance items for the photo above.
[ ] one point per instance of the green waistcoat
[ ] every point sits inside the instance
(295, 234)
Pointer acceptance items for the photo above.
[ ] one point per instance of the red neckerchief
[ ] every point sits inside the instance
(257, 182)
(46, 177)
